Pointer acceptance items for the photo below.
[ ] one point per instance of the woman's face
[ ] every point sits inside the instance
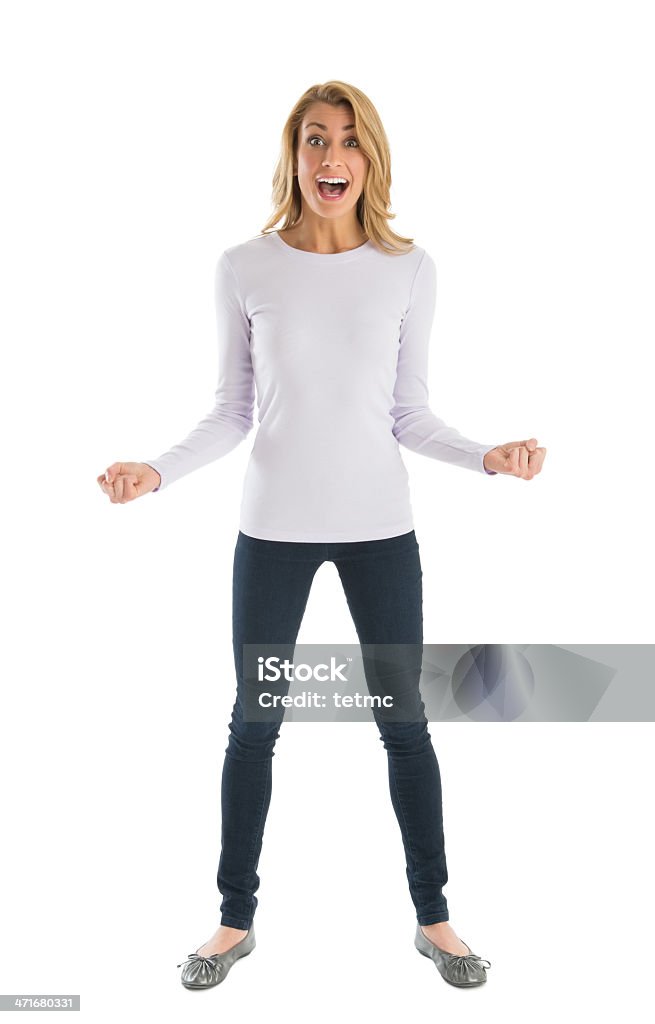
(328, 147)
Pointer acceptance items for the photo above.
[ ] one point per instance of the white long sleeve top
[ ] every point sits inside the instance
(335, 347)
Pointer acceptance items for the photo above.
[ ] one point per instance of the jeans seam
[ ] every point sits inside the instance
(402, 810)
(267, 787)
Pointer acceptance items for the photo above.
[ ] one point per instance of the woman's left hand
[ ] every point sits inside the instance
(516, 458)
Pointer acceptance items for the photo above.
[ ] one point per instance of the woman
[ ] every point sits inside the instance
(330, 317)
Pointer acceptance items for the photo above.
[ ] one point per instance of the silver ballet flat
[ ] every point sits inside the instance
(207, 971)
(464, 971)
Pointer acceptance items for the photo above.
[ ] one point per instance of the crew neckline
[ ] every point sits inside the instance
(323, 257)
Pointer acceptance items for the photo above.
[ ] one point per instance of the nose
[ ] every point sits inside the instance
(329, 162)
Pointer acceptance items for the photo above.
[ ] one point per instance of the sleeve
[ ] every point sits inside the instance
(415, 425)
(231, 419)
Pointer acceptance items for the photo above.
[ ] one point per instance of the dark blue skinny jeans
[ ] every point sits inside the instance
(382, 581)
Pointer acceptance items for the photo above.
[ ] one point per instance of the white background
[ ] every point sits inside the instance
(139, 142)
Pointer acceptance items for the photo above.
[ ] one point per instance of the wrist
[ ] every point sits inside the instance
(154, 474)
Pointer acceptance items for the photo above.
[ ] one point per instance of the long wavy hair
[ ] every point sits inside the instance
(373, 204)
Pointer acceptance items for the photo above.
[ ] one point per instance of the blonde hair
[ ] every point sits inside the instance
(373, 204)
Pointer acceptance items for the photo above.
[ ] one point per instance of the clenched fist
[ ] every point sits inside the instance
(516, 458)
(125, 481)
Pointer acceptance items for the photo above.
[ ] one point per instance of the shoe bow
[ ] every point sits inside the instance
(210, 961)
(461, 963)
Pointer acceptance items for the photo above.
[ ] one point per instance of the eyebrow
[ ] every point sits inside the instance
(346, 128)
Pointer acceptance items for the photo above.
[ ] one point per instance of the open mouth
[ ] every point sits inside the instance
(331, 192)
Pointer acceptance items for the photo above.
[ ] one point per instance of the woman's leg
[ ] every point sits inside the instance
(271, 585)
(382, 581)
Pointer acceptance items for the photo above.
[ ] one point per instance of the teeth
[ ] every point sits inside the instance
(334, 181)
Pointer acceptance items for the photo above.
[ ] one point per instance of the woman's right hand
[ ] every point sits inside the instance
(125, 481)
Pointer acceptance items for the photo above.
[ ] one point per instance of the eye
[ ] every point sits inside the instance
(311, 139)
